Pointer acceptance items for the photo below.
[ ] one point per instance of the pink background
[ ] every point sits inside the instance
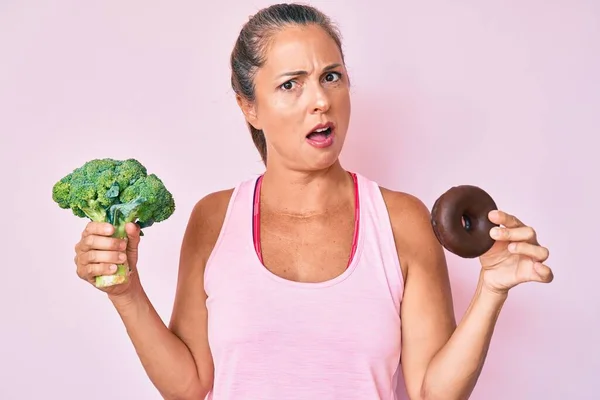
(504, 95)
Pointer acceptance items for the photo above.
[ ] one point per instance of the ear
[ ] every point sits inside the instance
(249, 110)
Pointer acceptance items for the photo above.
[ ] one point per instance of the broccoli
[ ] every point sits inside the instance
(118, 192)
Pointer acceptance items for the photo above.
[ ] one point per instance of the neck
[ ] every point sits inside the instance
(302, 193)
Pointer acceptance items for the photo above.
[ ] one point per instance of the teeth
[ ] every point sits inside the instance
(321, 130)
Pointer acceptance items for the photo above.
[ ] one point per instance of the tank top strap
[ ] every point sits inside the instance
(235, 236)
(379, 240)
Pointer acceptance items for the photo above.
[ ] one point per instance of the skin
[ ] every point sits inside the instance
(307, 196)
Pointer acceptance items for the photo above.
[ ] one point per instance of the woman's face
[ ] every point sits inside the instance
(302, 99)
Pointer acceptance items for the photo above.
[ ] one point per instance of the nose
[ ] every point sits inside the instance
(321, 102)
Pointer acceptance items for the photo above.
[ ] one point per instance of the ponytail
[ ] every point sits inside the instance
(258, 137)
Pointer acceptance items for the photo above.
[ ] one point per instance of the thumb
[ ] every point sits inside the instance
(542, 273)
(133, 236)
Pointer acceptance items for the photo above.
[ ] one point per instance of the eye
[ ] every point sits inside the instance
(332, 76)
(289, 85)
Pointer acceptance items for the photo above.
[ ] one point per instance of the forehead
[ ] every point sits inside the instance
(301, 47)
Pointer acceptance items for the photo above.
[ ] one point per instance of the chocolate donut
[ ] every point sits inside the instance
(470, 204)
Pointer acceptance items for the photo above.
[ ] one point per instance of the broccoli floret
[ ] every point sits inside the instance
(128, 172)
(84, 190)
(117, 192)
(145, 202)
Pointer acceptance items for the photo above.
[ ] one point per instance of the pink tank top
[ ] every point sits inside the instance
(276, 339)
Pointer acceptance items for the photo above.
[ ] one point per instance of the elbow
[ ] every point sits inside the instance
(418, 393)
(196, 395)
(424, 395)
(427, 394)
(192, 392)
(424, 391)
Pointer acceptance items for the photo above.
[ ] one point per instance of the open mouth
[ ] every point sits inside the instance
(320, 134)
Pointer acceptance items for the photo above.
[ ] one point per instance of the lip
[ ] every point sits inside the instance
(328, 124)
(325, 143)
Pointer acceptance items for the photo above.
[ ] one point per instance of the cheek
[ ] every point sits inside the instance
(342, 105)
(345, 99)
(282, 106)
(282, 114)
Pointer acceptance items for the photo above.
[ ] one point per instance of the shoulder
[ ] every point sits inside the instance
(212, 208)
(415, 240)
(203, 227)
(406, 207)
(199, 239)
(208, 214)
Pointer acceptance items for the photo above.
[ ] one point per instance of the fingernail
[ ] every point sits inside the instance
(122, 257)
(113, 268)
(512, 247)
(495, 232)
(108, 229)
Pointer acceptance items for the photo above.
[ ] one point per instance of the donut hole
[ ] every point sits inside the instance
(466, 222)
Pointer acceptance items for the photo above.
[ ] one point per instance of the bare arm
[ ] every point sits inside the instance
(166, 359)
(439, 359)
(177, 358)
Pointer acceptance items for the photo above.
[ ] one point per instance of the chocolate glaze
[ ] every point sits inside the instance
(473, 204)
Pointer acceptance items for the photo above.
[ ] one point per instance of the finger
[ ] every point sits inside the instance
(90, 271)
(92, 242)
(543, 272)
(503, 218)
(133, 236)
(101, 256)
(536, 252)
(520, 234)
(98, 228)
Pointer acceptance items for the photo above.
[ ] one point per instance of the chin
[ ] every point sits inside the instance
(324, 160)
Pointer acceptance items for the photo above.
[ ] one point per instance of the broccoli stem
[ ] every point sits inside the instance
(118, 278)
(97, 214)
(94, 211)
(122, 274)
(120, 230)
(119, 218)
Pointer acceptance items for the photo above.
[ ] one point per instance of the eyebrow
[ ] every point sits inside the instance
(300, 72)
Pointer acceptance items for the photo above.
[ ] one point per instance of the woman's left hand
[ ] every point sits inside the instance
(516, 257)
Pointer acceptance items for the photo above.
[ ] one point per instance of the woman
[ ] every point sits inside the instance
(311, 282)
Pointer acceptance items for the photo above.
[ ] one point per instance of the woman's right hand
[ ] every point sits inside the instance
(98, 253)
